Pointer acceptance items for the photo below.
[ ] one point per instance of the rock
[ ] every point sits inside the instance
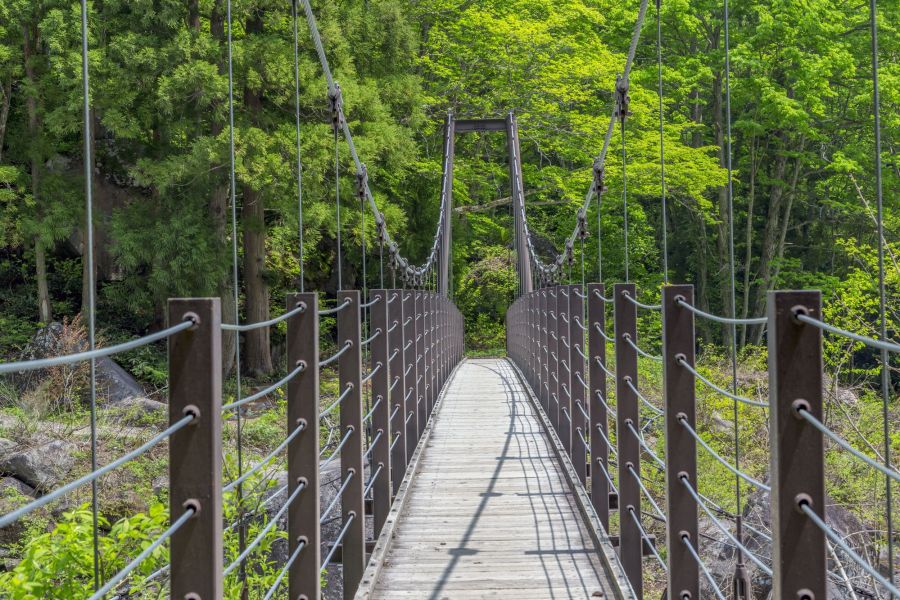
(42, 466)
(6, 446)
(116, 384)
(11, 483)
(138, 410)
(756, 533)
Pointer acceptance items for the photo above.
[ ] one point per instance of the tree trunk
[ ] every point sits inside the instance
(258, 353)
(725, 210)
(748, 235)
(31, 45)
(5, 101)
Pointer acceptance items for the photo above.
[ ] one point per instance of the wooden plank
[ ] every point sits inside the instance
(490, 512)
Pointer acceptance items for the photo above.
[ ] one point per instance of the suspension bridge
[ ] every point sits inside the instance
(489, 478)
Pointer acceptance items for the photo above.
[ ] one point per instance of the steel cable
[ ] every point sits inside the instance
(682, 362)
(721, 460)
(264, 392)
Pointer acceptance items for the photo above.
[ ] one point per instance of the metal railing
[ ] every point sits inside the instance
(573, 385)
(195, 435)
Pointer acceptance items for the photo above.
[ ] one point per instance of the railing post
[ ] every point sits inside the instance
(195, 451)
(630, 540)
(419, 396)
(565, 366)
(681, 449)
(426, 359)
(303, 450)
(579, 379)
(396, 387)
(353, 551)
(797, 467)
(544, 361)
(553, 352)
(381, 411)
(409, 372)
(599, 419)
(533, 340)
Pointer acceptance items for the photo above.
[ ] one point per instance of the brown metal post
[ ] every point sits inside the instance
(630, 540)
(553, 346)
(681, 449)
(797, 457)
(543, 385)
(409, 372)
(564, 323)
(419, 395)
(303, 450)
(580, 422)
(600, 488)
(195, 451)
(381, 411)
(353, 549)
(396, 388)
(426, 356)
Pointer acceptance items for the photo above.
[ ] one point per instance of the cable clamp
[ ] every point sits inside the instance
(599, 177)
(336, 105)
(623, 100)
(362, 182)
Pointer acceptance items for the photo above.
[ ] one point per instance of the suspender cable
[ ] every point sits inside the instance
(662, 146)
(624, 198)
(879, 199)
(731, 271)
(242, 531)
(337, 206)
(299, 161)
(88, 257)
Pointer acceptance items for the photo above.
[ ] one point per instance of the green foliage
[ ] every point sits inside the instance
(59, 563)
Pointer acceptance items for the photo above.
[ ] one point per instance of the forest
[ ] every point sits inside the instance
(802, 155)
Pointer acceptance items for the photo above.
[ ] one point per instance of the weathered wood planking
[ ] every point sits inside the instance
(489, 512)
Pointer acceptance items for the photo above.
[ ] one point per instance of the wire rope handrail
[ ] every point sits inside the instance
(372, 479)
(641, 397)
(336, 309)
(680, 360)
(682, 302)
(801, 409)
(608, 408)
(603, 334)
(630, 342)
(327, 512)
(336, 355)
(266, 460)
(290, 561)
(647, 493)
(189, 512)
(301, 307)
(369, 340)
(609, 445)
(839, 542)
(372, 410)
(601, 296)
(264, 531)
(371, 447)
(266, 391)
(690, 488)
(635, 301)
(801, 316)
(347, 389)
(338, 540)
(371, 374)
(43, 363)
(373, 302)
(650, 542)
(15, 515)
(609, 480)
(603, 367)
(643, 443)
(722, 461)
(686, 540)
(338, 449)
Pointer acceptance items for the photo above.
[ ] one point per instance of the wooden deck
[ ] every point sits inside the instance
(490, 512)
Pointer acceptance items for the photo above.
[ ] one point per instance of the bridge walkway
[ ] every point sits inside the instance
(490, 512)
